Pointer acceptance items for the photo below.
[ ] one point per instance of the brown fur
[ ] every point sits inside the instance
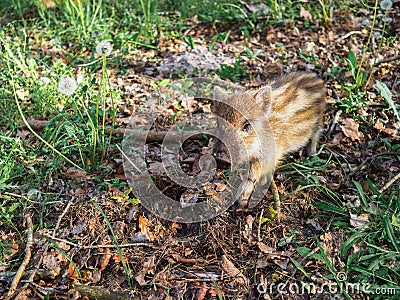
(283, 118)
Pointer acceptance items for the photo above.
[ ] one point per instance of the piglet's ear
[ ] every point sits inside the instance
(264, 99)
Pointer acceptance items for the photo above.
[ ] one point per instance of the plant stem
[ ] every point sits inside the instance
(368, 41)
(379, 49)
(103, 89)
(27, 124)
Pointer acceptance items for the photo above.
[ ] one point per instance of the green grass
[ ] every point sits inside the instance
(40, 46)
(370, 252)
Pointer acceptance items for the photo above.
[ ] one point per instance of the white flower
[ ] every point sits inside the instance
(386, 4)
(104, 48)
(67, 86)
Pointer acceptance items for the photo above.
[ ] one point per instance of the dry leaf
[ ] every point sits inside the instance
(248, 229)
(266, 249)
(71, 273)
(359, 221)
(202, 292)
(178, 258)
(148, 268)
(144, 226)
(390, 131)
(52, 261)
(105, 258)
(305, 14)
(327, 242)
(282, 263)
(277, 258)
(350, 129)
(230, 269)
(157, 168)
(189, 197)
(116, 257)
(174, 227)
(75, 174)
(23, 134)
(220, 187)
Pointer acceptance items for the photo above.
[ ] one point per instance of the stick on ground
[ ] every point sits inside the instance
(27, 258)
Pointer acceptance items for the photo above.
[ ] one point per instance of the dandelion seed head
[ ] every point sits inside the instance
(104, 48)
(386, 4)
(67, 86)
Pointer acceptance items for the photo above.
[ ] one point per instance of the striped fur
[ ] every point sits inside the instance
(283, 117)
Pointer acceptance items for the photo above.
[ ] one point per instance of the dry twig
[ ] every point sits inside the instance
(93, 292)
(368, 159)
(391, 181)
(39, 263)
(149, 136)
(101, 246)
(27, 258)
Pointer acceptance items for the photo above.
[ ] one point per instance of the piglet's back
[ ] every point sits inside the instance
(298, 105)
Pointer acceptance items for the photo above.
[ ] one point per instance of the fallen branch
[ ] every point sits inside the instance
(27, 258)
(39, 125)
(150, 136)
(35, 271)
(347, 35)
(368, 159)
(386, 60)
(391, 181)
(101, 246)
(93, 292)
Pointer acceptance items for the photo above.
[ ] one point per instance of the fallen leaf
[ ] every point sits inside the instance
(189, 197)
(202, 292)
(116, 257)
(350, 129)
(359, 221)
(327, 242)
(52, 261)
(71, 273)
(390, 131)
(157, 168)
(231, 271)
(144, 226)
(248, 229)
(266, 249)
(180, 259)
(282, 263)
(78, 228)
(148, 268)
(220, 187)
(23, 134)
(105, 258)
(305, 14)
(216, 294)
(75, 174)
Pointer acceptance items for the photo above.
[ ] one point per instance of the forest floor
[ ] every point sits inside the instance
(337, 234)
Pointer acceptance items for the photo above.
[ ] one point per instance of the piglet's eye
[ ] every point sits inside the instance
(246, 126)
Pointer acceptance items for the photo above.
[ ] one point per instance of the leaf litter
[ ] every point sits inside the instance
(222, 255)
